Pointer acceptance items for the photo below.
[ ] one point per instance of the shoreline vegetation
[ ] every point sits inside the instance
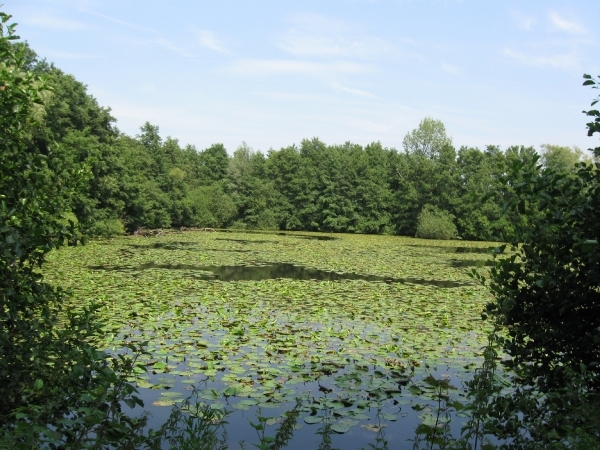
(314, 304)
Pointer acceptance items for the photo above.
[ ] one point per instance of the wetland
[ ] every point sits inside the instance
(353, 325)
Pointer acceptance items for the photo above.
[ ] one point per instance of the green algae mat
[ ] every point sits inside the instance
(351, 324)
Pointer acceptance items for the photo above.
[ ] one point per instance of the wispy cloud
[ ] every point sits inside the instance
(208, 40)
(569, 26)
(281, 66)
(54, 23)
(294, 96)
(524, 22)
(302, 45)
(168, 45)
(157, 40)
(318, 36)
(358, 92)
(135, 26)
(561, 61)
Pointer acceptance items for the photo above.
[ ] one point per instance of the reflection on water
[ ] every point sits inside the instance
(474, 249)
(246, 241)
(271, 271)
(280, 233)
(450, 249)
(173, 245)
(310, 236)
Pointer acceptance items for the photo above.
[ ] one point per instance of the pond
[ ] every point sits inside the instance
(352, 324)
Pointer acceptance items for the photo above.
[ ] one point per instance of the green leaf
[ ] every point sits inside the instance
(313, 419)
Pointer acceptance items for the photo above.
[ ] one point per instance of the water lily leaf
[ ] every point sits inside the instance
(171, 394)
(217, 406)
(340, 428)
(313, 419)
(164, 402)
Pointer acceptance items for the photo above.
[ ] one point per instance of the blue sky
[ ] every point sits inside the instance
(271, 73)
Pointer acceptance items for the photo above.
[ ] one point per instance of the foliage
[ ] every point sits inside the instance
(32, 201)
(560, 158)
(594, 125)
(57, 390)
(428, 139)
(193, 425)
(548, 295)
(547, 309)
(434, 223)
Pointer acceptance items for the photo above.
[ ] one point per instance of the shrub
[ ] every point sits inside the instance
(435, 223)
(107, 227)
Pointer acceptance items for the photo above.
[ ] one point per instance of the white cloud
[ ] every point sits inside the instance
(168, 45)
(358, 92)
(561, 61)
(208, 40)
(279, 66)
(568, 26)
(56, 23)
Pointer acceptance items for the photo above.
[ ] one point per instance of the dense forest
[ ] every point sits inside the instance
(153, 182)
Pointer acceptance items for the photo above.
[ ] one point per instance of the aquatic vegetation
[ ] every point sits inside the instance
(353, 326)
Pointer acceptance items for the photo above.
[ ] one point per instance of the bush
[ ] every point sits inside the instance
(107, 227)
(546, 309)
(435, 223)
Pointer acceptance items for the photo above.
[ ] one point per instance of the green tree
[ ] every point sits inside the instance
(213, 164)
(283, 168)
(560, 158)
(372, 192)
(425, 173)
(478, 206)
(252, 193)
(428, 139)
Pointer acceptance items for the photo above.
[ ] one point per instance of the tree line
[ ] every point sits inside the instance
(154, 182)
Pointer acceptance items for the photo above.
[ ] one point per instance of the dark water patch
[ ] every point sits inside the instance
(471, 263)
(280, 233)
(474, 249)
(310, 236)
(227, 250)
(449, 249)
(247, 241)
(275, 271)
(173, 245)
